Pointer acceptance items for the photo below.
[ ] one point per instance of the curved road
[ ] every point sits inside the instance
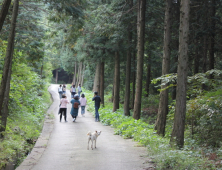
(63, 146)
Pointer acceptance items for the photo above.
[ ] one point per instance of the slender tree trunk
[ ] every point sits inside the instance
(97, 78)
(6, 100)
(140, 56)
(197, 58)
(163, 104)
(102, 83)
(117, 79)
(6, 75)
(74, 76)
(83, 70)
(4, 12)
(57, 73)
(176, 20)
(80, 73)
(177, 136)
(148, 76)
(134, 79)
(128, 68)
(212, 36)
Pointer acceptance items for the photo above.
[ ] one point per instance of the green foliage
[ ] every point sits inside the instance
(191, 157)
(28, 101)
(204, 117)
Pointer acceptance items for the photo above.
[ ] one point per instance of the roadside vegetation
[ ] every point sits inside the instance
(28, 103)
(203, 147)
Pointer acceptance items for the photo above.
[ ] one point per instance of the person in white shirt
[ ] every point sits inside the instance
(79, 89)
(60, 91)
(73, 91)
(83, 102)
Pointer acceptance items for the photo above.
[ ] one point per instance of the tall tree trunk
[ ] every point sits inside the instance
(6, 100)
(74, 76)
(134, 80)
(4, 12)
(116, 82)
(6, 75)
(163, 104)
(197, 58)
(176, 19)
(83, 70)
(80, 73)
(102, 83)
(57, 73)
(212, 35)
(177, 136)
(97, 78)
(140, 56)
(148, 76)
(128, 68)
(205, 41)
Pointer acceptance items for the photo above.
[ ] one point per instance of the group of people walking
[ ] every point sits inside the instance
(76, 102)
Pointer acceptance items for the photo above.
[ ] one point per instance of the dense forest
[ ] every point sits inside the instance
(156, 61)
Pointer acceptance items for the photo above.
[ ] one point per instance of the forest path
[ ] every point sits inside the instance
(63, 145)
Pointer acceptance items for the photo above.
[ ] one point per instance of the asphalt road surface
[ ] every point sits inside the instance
(63, 145)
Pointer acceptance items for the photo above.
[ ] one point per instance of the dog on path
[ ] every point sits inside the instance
(92, 137)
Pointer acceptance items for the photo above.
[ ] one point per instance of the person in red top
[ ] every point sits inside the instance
(63, 107)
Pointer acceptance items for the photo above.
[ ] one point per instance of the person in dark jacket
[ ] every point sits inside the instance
(97, 100)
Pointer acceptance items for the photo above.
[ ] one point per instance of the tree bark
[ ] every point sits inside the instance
(212, 36)
(97, 78)
(4, 12)
(83, 70)
(6, 75)
(74, 76)
(128, 68)
(197, 58)
(102, 83)
(140, 56)
(80, 73)
(148, 76)
(177, 136)
(6, 100)
(116, 82)
(163, 104)
(176, 19)
(134, 80)
(57, 75)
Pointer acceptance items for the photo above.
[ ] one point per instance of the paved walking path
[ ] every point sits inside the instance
(63, 145)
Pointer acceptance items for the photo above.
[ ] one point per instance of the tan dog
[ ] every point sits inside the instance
(93, 136)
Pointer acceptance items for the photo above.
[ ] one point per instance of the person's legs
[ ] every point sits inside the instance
(82, 110)
(61, 114)
(60, 95)
(65, 114)
(96, 114)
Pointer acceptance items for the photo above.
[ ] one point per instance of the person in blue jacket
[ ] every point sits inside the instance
(75, 107)
(97, 100)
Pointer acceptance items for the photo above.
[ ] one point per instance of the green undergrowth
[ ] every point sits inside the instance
(23, 129)
(189, 158)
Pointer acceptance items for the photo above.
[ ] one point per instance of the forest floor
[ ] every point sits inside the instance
(63, 145)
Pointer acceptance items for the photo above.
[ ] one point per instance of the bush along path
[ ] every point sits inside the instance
(192, 156)
(64, 145)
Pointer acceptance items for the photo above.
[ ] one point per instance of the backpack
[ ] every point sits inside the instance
(76, 105)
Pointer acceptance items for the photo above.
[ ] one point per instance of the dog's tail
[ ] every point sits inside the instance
(89, 133)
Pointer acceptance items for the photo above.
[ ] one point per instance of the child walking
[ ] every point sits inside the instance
(83, 102)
